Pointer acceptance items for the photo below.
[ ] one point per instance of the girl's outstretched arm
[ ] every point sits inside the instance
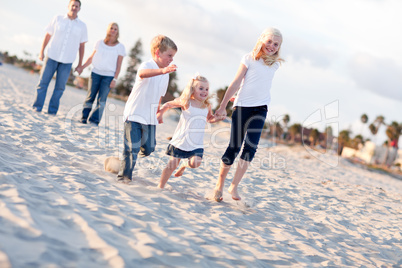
(176, 103)
(232, 89)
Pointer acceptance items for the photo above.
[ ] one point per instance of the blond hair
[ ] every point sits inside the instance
(259, 54)
(188, 91)
(162, 43)
(107, 38)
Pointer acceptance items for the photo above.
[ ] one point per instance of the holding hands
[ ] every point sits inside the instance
(113, 83)
(79, 69)
(220, 114)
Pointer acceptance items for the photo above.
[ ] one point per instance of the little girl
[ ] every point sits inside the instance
(253, 82)
(187, 141)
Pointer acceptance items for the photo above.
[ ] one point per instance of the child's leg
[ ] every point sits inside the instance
(240, 171)
(132, 138)
(223, 172)
(168, 170)
(254, 129)
(148, 140)
(192, 162)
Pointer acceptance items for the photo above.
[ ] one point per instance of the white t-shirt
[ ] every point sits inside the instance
(67, 35)
(255, 89)
(189, 133)
(142, 104)
(105, 58)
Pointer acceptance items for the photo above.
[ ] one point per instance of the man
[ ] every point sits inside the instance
(65, 35)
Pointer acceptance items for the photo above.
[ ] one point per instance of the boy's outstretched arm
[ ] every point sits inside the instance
(146, 73)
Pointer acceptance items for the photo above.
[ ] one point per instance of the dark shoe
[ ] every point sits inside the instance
(84, 121)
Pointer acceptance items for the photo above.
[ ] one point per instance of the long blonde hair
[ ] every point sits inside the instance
(107, 38)
(188, 91)
(259, 54)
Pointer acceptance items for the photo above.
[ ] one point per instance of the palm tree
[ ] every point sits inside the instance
(285, 120)
(294, 131)
(328, 133)
(343, 140)
(364, 120)
(393, 132)
(314, 135)
(375, 126)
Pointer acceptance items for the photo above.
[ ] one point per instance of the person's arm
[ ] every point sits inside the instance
(232, 89)
(44, 44)
(81, 52)
(168, 105)
(146, 73)
(79, 69)
(211, 118)
(116, 74)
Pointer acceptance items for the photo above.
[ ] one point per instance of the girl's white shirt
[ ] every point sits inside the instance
(255, 89)
(189, 133)
(105, 58)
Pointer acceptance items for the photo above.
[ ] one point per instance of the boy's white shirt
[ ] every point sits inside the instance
(142, 104)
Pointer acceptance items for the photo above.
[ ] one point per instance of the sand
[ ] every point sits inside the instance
(60, 208)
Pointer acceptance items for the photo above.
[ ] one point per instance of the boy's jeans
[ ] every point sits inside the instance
(138, 138)
(63, 72)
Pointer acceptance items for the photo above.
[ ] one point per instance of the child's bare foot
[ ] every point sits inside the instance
(233, 191)
(218, 196)
(180, 172)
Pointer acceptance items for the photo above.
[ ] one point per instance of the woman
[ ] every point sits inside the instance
(106, 60)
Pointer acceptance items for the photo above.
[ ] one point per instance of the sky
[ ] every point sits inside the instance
(342, 58)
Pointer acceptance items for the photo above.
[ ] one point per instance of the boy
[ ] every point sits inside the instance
(143, 103)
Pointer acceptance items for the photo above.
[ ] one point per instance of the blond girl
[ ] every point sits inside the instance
(187, 140)
(253, 84)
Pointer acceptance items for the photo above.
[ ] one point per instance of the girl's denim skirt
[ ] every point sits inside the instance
(176, 152)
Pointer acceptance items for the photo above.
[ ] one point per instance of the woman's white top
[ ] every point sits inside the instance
(255, 89)
(105, 58)
(189, 133)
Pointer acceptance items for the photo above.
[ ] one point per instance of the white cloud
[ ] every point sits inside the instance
(378, 75)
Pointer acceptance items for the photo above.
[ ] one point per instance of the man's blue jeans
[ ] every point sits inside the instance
(63, 72)
(98, 85)
(138, 138)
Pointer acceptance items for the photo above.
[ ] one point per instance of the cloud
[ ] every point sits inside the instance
(378, 75)
(303, 51)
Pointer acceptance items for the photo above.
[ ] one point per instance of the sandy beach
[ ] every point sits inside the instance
(59, 208)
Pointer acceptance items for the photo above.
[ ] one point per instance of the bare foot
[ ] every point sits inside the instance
(218, 196)
(180, 172)
(233, 191)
